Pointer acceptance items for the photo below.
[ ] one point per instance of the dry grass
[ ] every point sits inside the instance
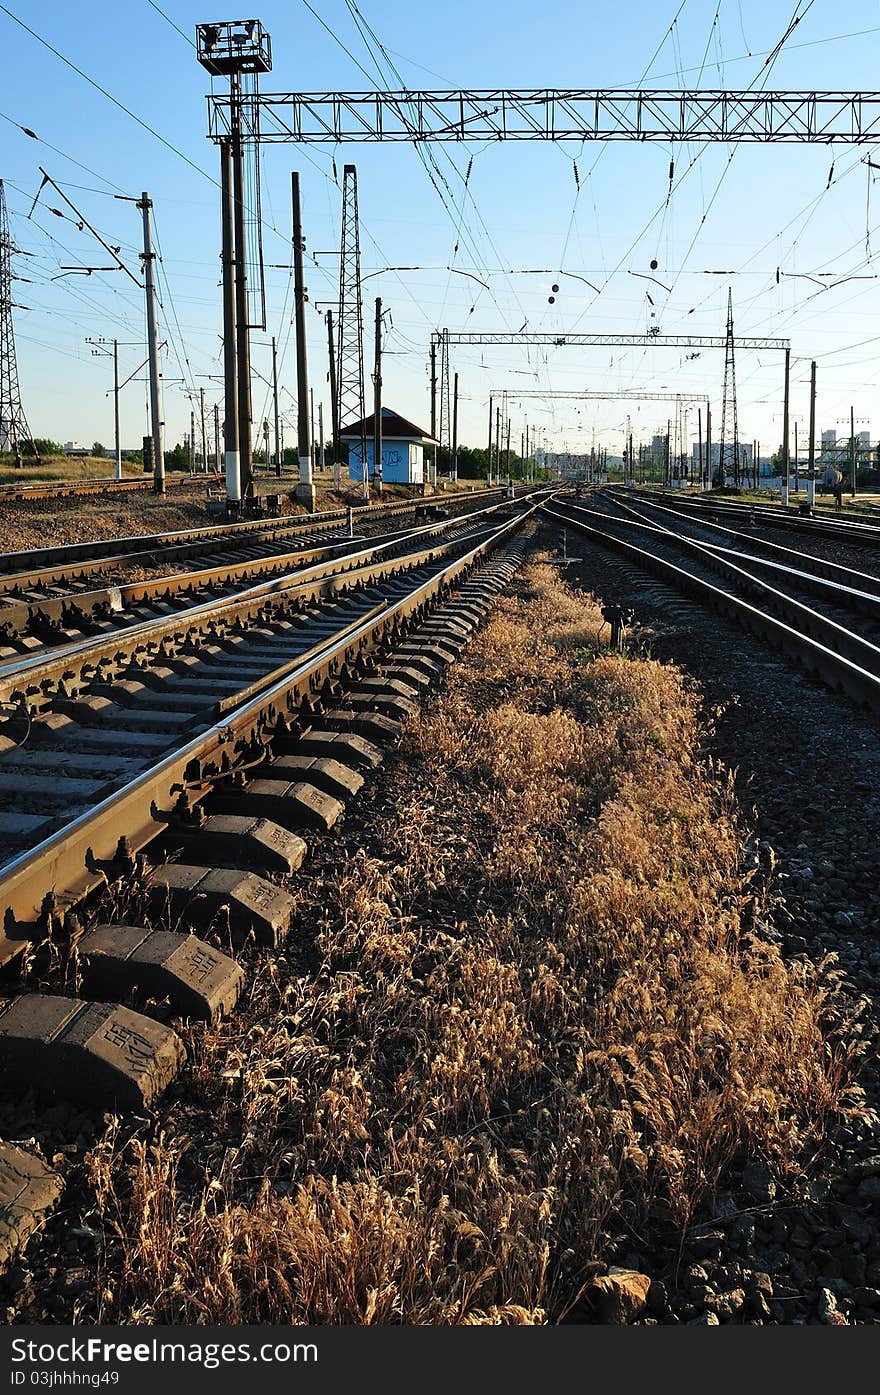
(537, 1016)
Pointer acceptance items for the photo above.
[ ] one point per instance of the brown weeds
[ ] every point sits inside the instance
(538, 1017)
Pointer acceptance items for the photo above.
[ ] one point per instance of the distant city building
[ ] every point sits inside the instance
(829, 439)
(745, 455)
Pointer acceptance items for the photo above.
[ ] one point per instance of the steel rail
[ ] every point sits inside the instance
(66, 489)
(137, 547)
(834, 668)
(21, 616)
(35, 683)
(34, 680)
(736, 565)
(846, 577)
(52, 878)
(853, 530)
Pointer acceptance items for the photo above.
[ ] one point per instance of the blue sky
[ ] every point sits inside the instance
(796, 208)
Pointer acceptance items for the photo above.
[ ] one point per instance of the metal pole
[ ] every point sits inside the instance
(508, 452)
(434, 407)
(785, 457)
(852, 450)
(204, 435)
(242, 329)
(489, 461)
(312, 427)
(796, 475)
(275, 404)
(192, 441)
(321, 432)
(118, 447)
(811, 482)
(216, 438)
(334, 404)
(377, 400)
(453, 473)
(156, 422)
(306, 491)
(666, 453)
(497, 445)
(230, 362)
(708, 444)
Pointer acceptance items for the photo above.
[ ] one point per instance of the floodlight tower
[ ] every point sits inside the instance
(233, 49)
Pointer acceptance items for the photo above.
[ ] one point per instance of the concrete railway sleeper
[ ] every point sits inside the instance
(210, 863)
(839, 591)
(860, 530)
(35, 621)
(82, 559)
(38, 682)
(89, 742)
(717, 535)
(792, 626)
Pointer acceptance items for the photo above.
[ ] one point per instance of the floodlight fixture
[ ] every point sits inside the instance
(234, 46)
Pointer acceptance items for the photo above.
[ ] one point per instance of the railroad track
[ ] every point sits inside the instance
(862, 530)
(37, 569)
(45, 608)
(69, 489)
(826, 617)
(192, 770)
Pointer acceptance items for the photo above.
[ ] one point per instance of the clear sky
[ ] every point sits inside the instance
(772, 215)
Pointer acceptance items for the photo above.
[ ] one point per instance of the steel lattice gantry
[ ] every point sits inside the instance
(596, 395)
(557, 341)
(603, 114)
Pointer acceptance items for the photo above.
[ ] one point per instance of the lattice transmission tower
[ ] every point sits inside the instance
(350, 338)
(729, 448)
(14, 429)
